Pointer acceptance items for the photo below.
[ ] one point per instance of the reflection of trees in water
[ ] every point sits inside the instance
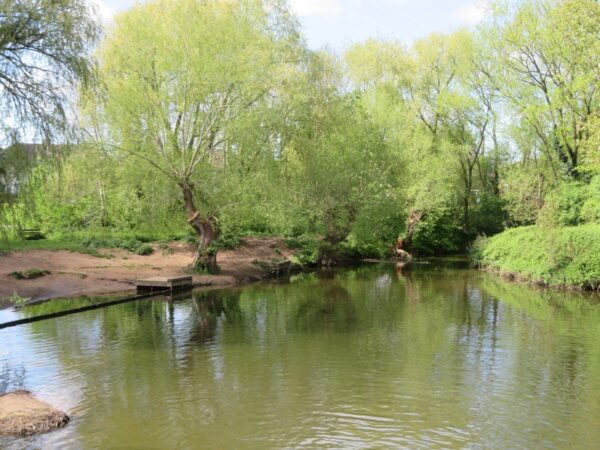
(473, 309)
(561, 338)
(571, 364)
(413, 293)
(326, 306)
(209, 308)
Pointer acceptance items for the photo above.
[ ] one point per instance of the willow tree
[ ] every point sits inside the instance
(44, 51)
(183, 79)
(339, 168)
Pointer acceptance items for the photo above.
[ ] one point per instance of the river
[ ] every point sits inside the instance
(438, 356)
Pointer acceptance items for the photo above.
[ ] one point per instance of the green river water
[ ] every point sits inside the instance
(438, 356)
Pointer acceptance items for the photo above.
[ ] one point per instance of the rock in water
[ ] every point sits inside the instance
(21, 414)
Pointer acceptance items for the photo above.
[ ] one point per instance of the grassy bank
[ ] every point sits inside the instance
(561, 257)
(89, 245)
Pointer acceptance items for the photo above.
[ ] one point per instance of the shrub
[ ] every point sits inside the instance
(229, 238)
(439, 233)
(566, 256)
(564, 205)
(132, 244)
(30, 274)
(308, 249)
(143, 249)
(18, 300)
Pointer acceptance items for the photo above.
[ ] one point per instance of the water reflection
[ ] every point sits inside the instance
(427, 356)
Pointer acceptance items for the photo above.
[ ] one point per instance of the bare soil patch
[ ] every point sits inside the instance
(74, 274)
(21, 414)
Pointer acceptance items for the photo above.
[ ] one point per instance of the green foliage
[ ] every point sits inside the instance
(202, 79)
(134, 245)
(546, 55)
(439, 233)
(30, 274)
(354, 250)
(377, 227)
(489, 215)
(523, 188)
(566, 256)
(215, 111)
(44, 49)
(564, 205)
(590, 210)
(72, 245)
(572, 203)
(229, 238)
(143, 249)
(18, 300)
(309, 249)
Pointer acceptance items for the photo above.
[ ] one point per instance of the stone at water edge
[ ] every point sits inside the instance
(21, 414)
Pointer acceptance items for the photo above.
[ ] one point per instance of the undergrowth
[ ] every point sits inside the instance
(565, 256)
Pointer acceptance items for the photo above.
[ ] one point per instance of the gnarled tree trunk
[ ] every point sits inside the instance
(205, 259)
(403, 245)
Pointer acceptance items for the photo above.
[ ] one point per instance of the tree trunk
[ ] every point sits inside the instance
(205, 259)
(403, 244)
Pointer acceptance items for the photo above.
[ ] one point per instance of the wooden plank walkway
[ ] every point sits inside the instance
(164, 283)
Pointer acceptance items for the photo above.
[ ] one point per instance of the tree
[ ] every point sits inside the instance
(548, 55)
(340, 165)
(189, 84)
(445, 124)
(44, 52)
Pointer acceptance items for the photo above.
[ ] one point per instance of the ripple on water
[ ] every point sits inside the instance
(368, 359)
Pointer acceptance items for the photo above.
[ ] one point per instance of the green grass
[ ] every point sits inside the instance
(565, 257)
(88, 243)
(46, 244)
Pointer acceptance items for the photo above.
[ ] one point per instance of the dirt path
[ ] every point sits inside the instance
(81, 274)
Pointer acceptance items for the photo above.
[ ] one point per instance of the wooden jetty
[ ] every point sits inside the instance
(156, 284)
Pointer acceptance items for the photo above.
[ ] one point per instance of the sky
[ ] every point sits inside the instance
(338, 23)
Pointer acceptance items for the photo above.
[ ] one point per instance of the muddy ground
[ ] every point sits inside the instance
(74, 274)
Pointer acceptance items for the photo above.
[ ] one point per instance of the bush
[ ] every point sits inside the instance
(190, 239)
(590, 210)
(566, 256)
(309, 249)
(30, 274)
(229, 238)
(143, 249)
(488, 215)
(135, 245)
(564, 205)
(439, 233)
(354, 249)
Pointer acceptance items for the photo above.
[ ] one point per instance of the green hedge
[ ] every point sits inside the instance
(567, 256)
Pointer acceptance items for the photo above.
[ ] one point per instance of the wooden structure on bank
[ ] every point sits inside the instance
(159, 284)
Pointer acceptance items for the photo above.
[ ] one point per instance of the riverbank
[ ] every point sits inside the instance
(567, 257)
(21, 414)
(115, 270)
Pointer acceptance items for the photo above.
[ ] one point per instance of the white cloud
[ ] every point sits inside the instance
(316, 7)
(471, 14)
